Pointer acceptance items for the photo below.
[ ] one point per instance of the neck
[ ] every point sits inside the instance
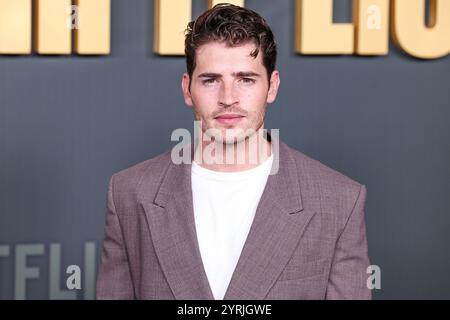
(232, 157)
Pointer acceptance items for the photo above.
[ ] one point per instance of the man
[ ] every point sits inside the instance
(218, 228)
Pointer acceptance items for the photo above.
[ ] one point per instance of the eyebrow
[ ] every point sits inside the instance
(234, 74)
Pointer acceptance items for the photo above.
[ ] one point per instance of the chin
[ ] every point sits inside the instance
(236, 139)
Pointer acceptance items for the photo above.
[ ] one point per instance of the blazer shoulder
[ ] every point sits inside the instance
(129, 179)
(321, 181)
(337, 191)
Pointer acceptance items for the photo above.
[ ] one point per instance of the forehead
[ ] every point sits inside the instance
(219, 57)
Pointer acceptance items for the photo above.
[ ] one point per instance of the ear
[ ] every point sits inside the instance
(185, 87)
(274, 85)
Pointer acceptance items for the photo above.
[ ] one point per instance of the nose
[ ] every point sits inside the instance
(227, 95)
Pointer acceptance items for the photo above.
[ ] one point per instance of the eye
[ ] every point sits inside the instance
(248, 80)
(209, 81)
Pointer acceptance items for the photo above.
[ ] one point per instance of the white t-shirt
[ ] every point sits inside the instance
(224, 207)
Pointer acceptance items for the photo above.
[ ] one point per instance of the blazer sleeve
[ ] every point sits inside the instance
(348, 277)
(113, 277)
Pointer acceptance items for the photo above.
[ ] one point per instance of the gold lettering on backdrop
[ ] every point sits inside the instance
(93, 35)
(315, 32)
(15, 27)
(371, 21)
(212, 3)
(171, 19)
(412, 35)
(53, 26)
(52, 34)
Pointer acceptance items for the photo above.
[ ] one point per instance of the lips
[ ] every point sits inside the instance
(230, 118)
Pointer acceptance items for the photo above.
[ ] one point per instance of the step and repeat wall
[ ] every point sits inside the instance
(88, 88)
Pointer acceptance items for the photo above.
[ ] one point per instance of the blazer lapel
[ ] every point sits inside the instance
(170, 217)
(278, 225)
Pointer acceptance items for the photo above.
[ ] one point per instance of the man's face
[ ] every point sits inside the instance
(229, 89)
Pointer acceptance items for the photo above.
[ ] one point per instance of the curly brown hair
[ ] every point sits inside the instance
(233, 25)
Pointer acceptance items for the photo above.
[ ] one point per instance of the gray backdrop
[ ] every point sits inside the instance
(68, 123)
